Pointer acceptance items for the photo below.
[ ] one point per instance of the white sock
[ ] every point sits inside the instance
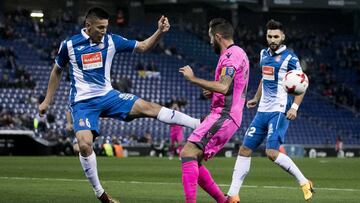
(175, 117)
(288, 165)
(90, 169)
(241, 169)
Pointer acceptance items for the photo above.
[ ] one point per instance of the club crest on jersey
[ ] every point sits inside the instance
(278, 58)
(268, 73)
(92, 61)
(81, 122)
(101, 45)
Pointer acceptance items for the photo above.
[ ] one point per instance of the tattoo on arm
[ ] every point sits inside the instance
(226, 80)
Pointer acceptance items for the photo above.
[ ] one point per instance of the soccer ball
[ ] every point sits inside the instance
(295, 82)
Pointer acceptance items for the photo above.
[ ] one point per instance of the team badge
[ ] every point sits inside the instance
(101, 45)
(81, 122)
(229, 71)
(278, 58)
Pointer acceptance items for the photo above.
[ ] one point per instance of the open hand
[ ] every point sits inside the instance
(187, 72)
(291, 114)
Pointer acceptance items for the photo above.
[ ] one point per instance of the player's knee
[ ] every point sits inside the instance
(149, 109)
(272, 154)
(244, 151)
(190, 150)
(85, 149)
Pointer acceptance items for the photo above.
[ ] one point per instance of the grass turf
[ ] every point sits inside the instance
(60, 179)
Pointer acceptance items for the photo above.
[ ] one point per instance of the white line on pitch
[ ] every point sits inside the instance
(164, 183)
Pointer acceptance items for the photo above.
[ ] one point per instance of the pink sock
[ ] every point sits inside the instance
(207, 183)
(190, 175)
(178, 150)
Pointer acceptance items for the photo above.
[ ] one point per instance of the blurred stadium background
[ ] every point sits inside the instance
(325, 34)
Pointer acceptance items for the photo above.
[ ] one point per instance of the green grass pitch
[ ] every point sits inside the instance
(60, 179)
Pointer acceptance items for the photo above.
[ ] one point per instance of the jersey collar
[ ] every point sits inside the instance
(279, 50)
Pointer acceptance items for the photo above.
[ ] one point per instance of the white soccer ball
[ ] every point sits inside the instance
(295, 82)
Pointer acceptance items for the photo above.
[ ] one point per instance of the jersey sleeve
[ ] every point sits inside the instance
(122, 44)
(228, 67)
(294, 63)
(62, 57)
(261, 55)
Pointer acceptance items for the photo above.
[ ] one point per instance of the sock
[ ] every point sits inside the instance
(241, 169)
(208, 184)
(178, 150)
(175, 117)
(89, 166)
(289, 166)
(190, 175)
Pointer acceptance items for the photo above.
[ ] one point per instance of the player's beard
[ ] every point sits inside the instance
(216, 48)
(273, 46)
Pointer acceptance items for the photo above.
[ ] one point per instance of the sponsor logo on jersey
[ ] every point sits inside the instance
(80, 48)
(125, 96)
(268, 73)
(228, 55)
(92, 61)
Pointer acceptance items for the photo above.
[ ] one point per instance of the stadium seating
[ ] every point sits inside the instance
(319, 120)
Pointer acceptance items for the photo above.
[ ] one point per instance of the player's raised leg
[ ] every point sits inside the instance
(289, 166)
(142, 108)
(89, 165)
(275, 138)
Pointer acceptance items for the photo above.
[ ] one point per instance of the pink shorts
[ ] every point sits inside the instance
(176, 134)
(213, 133)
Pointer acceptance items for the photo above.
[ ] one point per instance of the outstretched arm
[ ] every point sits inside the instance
(221, 86)
(163, 26)
(54, 82)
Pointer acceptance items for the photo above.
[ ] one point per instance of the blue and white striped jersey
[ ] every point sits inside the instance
(90, 63)
(274, 67)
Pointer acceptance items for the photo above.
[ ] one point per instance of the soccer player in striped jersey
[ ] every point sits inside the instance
(90, 54)
(276, 109)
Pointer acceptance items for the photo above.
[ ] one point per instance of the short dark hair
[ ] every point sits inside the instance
(221, 26)
(274, 25)
(97, 12)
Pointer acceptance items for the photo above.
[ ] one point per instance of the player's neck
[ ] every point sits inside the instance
(227, 44)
